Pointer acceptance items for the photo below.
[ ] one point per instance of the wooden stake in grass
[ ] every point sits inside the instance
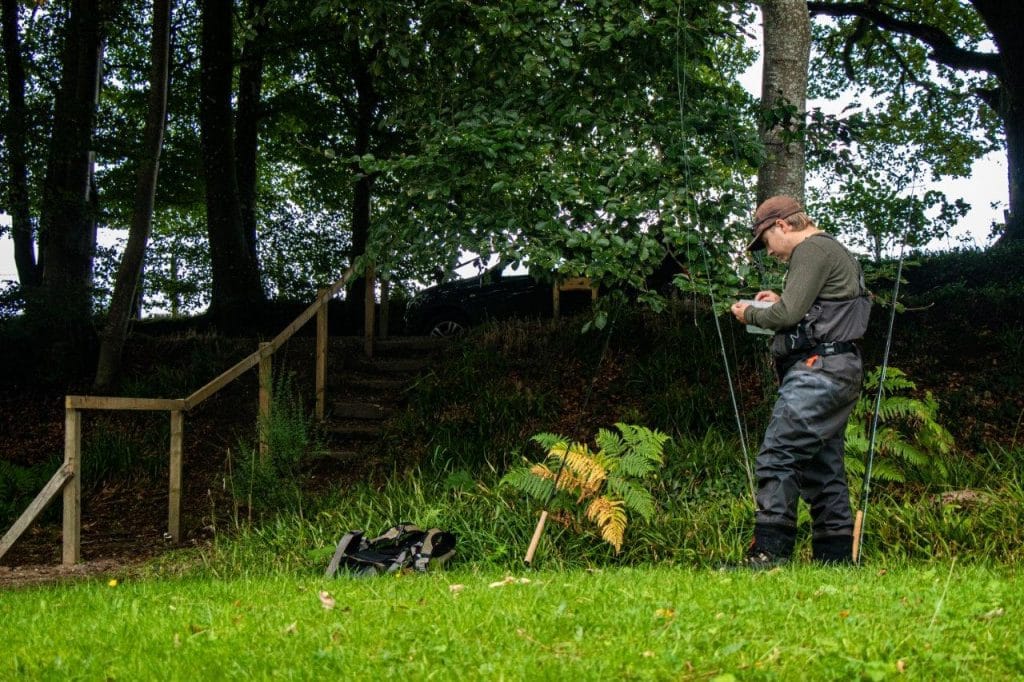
(539, 530)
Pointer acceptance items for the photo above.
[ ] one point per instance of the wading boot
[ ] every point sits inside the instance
(772, 547)
(833, 550)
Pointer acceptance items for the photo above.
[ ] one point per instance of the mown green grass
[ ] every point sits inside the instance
(654, 622)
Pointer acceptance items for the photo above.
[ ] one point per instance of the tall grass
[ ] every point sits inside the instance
(703, 519)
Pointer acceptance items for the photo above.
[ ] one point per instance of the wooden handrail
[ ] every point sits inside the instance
(252, 360)
(94, 402)
(68, 477)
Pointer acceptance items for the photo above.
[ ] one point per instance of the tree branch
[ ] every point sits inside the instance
(944, 49)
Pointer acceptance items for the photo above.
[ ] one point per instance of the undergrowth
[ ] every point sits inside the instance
(470, 421)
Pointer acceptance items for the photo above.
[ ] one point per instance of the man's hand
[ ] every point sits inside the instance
(738, 309)
(769, 296)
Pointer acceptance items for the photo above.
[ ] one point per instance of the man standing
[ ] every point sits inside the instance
(823, 309)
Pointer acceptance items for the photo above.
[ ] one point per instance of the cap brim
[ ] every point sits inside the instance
(756, 244)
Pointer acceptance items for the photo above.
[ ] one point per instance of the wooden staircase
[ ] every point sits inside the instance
(363, 393)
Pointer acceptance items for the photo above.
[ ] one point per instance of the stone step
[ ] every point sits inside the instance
(394, 347)
(386, 366)
(370, 383)
(361, 409)
(352, 429)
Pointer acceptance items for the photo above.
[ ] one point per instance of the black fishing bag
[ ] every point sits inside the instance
(404, 546)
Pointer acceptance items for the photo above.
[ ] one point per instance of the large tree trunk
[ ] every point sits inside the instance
(237, 291)
(787, 46)
(1004, 20)
(367, 101)
(129, 273)
(1013, 124)
(17, 156)
(250, 88)
(61, 307)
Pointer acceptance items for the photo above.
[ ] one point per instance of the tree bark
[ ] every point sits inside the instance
(1004, 20)
(787, 46)
(62, 306)
(237, 291)
(17, 157)
(129, 272)
(250, 88)
(367, 102)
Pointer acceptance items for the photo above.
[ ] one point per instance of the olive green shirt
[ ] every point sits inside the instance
(819, 267)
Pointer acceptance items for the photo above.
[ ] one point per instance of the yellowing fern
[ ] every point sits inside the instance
(610, 517)
(615, 478)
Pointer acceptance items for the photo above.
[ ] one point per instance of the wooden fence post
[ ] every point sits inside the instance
(385, 305)
(174, 492)
(72, 537)
(266, 381)
(321, 353)
(370, 303)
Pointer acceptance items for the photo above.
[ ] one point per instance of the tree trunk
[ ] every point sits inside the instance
(367, 101)
(250, 87)
(1003, 20)
(237, 292)
(61, 308)
(14, 131)
(1013, 124)
(129, 273)
(787, 45)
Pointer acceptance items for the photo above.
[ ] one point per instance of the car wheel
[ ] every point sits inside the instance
(447, 326)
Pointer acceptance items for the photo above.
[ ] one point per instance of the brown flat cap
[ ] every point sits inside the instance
(770, 210)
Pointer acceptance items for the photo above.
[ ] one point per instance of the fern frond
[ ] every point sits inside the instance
(589, 472)
(635, 497)
(549, 441)
(885, 471)
(647, 443)
(610, 518)
(610, 443)
(527, 481)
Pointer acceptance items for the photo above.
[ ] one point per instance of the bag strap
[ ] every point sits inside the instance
(352, 541)
(438, 546)
(395, 532)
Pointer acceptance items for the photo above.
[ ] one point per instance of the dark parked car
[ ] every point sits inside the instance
(448, 309)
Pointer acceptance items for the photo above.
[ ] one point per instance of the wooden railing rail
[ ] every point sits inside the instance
(68, 477)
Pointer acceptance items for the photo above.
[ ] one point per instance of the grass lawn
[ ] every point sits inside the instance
(917, 622)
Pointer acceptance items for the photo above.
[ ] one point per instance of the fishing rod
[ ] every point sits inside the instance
(861, 516)
(538, 532)
(681, 95)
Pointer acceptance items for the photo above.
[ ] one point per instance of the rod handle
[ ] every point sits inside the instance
(858, 525)
(537, 532)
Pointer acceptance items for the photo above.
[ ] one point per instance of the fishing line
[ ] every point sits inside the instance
(861, 516)
(539, 530)
(681, 96)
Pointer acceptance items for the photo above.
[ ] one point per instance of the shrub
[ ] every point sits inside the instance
(909, 442)
(612, 480)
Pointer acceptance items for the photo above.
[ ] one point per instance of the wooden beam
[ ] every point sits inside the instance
(42, 500)
(242, 366)
(174, 491)
(72, 536)
(93, 402)
(385, 305)
(304, 317)
(369, 312)
(266, 385)
(249, 362)
(570, 284)
(321, 357)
